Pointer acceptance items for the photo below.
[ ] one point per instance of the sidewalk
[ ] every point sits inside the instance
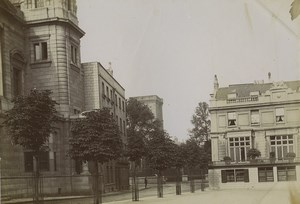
(278, 194)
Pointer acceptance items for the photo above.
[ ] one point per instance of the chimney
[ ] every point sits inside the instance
(216, 83)
(110, 70)
(269, 77)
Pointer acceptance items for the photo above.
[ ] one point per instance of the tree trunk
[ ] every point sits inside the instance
(96, 179)
(178, 183)
(159, 185)
(36, 180)
(135, 190)
(192, 182)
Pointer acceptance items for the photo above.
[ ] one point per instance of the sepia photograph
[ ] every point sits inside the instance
(149, 101)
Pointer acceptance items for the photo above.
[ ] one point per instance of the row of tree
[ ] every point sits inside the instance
(147, 140)
(96, 138)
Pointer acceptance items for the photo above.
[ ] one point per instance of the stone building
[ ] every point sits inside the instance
(264, 116)
(40, 48)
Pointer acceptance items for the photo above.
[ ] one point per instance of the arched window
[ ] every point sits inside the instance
(17, 62)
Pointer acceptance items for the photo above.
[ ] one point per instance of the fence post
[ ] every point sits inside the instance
(135, 188)
(192, 184)
(0, 182)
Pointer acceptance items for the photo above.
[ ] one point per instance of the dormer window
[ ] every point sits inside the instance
(279, 112)
(231, 119)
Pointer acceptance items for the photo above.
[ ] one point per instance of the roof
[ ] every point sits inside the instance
(244, 90)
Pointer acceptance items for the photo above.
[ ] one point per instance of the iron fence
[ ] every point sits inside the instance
(54, 189)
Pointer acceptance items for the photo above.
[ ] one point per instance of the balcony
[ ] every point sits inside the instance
(256, 162)
(243, 99)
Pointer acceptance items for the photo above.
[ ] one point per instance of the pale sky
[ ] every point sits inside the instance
(173, 48)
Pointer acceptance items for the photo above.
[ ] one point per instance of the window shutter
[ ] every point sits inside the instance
(246, 175)
(224, 176)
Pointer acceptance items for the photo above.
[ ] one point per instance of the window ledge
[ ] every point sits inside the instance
(255, 124)
(41, 62)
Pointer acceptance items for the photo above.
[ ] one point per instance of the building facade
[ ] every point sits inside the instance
(264, 116)
(40, 48)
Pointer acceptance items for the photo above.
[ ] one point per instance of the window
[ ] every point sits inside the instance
(235, 175)
(281, 145)
(17, 76)
(17, 62)
(69, 4)
(232, 119)
(123, 106)
(120, 103)
(286, 173)
(120, 124)
(116, 100)
(40, 51)
(255, 117)
(124, 127)
(54, 161)
(43, 161)
(107, 92)
(103, 90)
(265, 174)
(38, 3)
(238, 147)
(279, 112)
(74, 54)
(111, 95)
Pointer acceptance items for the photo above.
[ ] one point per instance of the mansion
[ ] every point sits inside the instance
(261, 116)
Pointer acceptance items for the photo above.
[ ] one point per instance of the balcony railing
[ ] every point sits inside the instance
(243, 99)
(256, 162)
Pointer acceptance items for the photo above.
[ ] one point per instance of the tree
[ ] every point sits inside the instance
(95, 139)
(192, 149)
(160, 150)
(30, 122)
(295, 9)
(139, 119)
(200, 133)
(201, 123)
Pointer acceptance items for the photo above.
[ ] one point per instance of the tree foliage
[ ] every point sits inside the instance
(139, 120)
(193, 150)
(180, 156)
(201, 123)
(31, 120)
(160, 148)
(96, 137)
(295, 9)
